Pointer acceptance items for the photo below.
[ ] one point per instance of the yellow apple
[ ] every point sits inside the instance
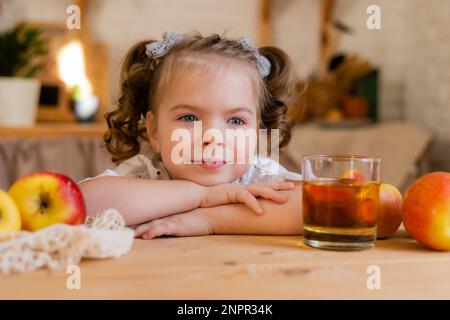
(9, 214)
(45, 198)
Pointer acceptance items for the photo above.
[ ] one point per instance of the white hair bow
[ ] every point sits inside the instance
(158, 49)
(263, 62)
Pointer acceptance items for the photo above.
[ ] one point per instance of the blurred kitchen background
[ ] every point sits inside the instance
(383, 92)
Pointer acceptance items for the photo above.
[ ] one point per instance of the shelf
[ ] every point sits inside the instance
(53, 130)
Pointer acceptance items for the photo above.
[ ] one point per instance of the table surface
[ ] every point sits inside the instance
(246, 267)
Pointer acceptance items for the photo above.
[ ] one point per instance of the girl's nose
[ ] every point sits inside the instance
(213, 132)
(215, 136)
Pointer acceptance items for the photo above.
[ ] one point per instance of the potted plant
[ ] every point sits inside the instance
(21, 51)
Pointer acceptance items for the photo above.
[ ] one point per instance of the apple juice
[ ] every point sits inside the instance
(340, 211)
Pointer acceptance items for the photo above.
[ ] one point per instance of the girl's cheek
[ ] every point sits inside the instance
(239, 154)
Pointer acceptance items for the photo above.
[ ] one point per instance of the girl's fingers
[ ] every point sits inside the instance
(192, 223)
(154, 228)
(152, 233)
(140, 229)
(280, 185)
(246, 197)
(166, 227)
(267, 193)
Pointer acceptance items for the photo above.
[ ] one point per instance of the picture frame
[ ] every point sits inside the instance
(54, 99)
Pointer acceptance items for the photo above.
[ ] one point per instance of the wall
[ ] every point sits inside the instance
(427, 74)
(412, 50)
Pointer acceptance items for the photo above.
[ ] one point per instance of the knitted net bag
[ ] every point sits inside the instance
(103, 235)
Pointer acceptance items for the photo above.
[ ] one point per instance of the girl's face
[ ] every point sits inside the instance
(220, 100)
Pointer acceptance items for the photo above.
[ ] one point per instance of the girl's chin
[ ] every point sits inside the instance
(210, 177)
(209, 180)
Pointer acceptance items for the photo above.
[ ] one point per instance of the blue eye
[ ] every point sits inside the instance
(188, 118)
(236, 121)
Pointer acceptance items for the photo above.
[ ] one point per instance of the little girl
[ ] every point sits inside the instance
(172, 86)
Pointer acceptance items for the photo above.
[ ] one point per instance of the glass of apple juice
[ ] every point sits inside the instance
(340, 198)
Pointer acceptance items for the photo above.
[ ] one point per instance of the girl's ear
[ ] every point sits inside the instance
(152, 132)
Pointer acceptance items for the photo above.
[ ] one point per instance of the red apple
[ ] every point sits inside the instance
(366, 212)
(45, 198)
(389, 211)
(353, 174)
(426, 210)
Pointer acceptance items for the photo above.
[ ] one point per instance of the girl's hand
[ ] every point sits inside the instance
(192, 223)
(245, 193)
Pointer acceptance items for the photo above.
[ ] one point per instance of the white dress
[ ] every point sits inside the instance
(147, 167)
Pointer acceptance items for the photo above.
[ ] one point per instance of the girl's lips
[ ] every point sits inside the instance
(212, 164)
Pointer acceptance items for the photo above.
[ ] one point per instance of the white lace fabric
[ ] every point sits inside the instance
(103, 235)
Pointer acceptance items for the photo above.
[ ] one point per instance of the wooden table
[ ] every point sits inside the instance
(246, 267)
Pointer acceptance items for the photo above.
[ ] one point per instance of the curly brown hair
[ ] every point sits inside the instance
(140, 82)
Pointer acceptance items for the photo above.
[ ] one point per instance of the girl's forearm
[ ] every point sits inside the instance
(278, 219)
(140, 200)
